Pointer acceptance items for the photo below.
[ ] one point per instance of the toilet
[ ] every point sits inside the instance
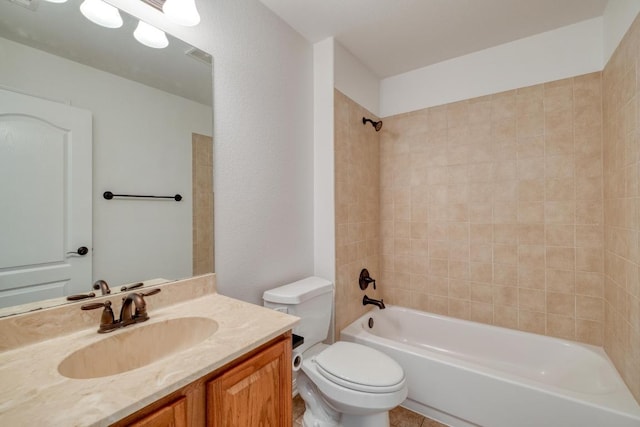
(342, 384)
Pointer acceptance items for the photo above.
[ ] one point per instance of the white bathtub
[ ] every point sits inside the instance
(469, 374)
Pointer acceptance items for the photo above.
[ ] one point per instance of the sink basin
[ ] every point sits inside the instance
(139, 346)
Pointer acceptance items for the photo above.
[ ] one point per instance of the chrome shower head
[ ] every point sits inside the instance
(376, 125)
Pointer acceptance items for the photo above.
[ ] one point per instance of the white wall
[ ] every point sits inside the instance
(355, 80)
(618, 17)
(323, 160)
(141, 145)
(263, 142)
(564, 52)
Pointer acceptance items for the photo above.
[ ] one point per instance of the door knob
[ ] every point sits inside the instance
(82, 251)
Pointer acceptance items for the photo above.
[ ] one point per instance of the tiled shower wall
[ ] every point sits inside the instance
(512, 209)
(357, 198)
(622, 208)
(491, 209)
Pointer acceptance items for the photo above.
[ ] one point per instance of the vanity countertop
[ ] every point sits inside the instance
(33, 392)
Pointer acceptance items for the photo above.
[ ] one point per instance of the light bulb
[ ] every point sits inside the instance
(150, 36)
(101, 13)
(182, 12)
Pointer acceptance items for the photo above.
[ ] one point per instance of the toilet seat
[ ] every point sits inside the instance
(360, 368)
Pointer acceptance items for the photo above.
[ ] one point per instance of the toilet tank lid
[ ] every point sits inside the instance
(297, 292)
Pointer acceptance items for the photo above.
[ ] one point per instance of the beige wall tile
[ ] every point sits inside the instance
(531, 299)
(481, 292)
(560, 212)
(561, 326)
(563, 304)
(561, 258)
(365, 226)
(530, 212)
(557, 167)
(563, 281)
(532, 278)
(505, 316)
(531, 257)
(621, 259)
(505, 296)
(532, 321)
(531, 190)
(590, 332)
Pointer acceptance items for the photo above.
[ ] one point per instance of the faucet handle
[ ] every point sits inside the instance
(365, 279)
(132, 287)
(94, 305)
(150, 292)
(107, 320)
(141, 311)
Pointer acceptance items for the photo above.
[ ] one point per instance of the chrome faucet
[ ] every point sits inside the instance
(102, 285)
(127, 316)
(379, 303)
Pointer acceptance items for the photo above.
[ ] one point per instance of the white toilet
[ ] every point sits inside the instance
(343, 384)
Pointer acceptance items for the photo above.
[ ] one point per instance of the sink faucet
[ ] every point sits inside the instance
(102, 285)
(379, 303)
(140, 315)
(127, 316)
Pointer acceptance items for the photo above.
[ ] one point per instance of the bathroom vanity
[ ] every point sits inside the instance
(255, 389)
(236, 372)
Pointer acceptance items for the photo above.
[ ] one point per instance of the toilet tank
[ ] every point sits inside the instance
(310, 299)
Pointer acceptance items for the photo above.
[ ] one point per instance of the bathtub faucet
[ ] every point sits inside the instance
(366, 300)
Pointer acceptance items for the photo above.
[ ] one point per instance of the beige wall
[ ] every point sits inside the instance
(357, 181)
(492, 209)
(622, 208)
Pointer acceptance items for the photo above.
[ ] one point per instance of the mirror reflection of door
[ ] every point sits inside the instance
(45, 199)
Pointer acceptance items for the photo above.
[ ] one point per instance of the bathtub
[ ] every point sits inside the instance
(469, 374)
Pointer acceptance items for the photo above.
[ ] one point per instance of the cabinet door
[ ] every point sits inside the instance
(171, 415)
(255, 393)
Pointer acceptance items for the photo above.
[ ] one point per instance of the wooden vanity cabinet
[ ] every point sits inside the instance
(253, 393)
(253, 390)
(174, 414)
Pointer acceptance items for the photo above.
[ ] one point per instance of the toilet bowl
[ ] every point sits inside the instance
(362, 390)
(343, 384)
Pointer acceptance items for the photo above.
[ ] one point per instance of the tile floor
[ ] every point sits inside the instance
(398, 417)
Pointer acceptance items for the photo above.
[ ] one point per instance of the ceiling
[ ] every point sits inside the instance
(62, 30)
(395, 36)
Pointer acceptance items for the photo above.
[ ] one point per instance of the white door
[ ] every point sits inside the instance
(45, 199)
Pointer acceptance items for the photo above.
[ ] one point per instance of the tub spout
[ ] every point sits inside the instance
(379, 303)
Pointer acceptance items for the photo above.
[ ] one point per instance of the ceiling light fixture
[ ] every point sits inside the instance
(56, 1)
(101, 13)
(182, 12)
(150, 36)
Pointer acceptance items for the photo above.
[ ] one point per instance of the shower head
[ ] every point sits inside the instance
(377, 125)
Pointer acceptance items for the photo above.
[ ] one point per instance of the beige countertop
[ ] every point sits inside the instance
(33, 392)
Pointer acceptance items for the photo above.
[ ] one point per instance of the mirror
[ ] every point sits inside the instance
(151, 113)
